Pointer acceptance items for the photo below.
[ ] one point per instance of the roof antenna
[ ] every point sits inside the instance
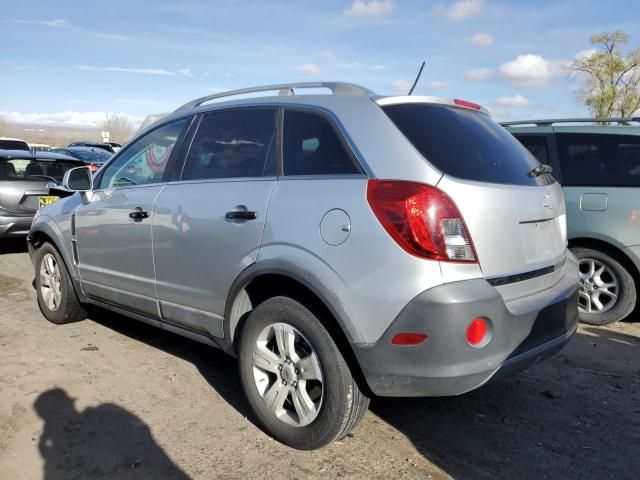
(417, 78)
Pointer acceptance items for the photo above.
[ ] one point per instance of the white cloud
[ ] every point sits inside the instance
(67, 118)
(585, 53)
(360, 66)
(309, 69)
(186, 72)
(401, 86)
(477, 74)
(532, 71)
(57, 23)
(144, 71)
(462, 9)
(436, 85)
(517, 101)
(135, 101)
(111, 36)
(327, 56)
(370, 8)
(481, 40)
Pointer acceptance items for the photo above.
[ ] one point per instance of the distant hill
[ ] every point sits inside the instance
(55, 136)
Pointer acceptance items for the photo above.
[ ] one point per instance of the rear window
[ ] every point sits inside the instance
(599, 159)
(466, 144)
(537, 145)
(97, 155)
(36, 170)
(13, 145)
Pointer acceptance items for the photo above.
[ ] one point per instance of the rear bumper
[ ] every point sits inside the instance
(445, 364)
(15, 226)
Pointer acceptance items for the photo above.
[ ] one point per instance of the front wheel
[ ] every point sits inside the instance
(607, 291)
(57, 299)
(295, 378)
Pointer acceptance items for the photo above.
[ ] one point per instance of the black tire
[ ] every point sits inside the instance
(69, 309)
(625, 301)
(343, 404)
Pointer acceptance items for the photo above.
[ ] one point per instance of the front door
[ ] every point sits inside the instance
(208, 226)
(113, 225)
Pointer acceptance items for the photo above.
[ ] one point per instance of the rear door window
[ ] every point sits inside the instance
(233, 144)
(466, 144)
(312, 146)
(537, 145)
(599, 159)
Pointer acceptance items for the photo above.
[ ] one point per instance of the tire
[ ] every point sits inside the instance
(592, 284)
(337, 404)
(57, 298)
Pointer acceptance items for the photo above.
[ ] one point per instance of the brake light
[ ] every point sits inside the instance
(465, 103)
(93, 167)
(423, 220)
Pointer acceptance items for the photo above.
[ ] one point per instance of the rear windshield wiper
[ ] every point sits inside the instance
(540, 170)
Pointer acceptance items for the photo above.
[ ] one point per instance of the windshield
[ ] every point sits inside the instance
(35, 170)
(466, 144)
(91, 156)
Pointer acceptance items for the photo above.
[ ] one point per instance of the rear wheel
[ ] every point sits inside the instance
(607, 291)
(295, 378)
(56, 297)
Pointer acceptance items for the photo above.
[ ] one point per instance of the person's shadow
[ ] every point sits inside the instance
(105, 441)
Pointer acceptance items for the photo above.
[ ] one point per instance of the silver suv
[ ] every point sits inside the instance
(341, 246)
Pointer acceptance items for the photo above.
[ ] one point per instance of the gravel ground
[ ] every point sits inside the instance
(113, 398)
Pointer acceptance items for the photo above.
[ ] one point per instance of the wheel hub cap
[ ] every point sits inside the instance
(288, 375)
(50, 282)
(599, 287)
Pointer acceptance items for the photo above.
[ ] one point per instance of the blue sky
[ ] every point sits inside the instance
(69, 62)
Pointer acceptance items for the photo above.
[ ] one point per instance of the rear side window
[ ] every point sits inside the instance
(599, 159)
(35, 170)
(231, 144)
(537, 145)
(466, 144)
(313, 147)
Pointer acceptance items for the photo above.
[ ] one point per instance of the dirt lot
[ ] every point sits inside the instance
(113, 398)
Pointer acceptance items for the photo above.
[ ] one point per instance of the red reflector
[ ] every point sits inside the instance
(408, 339)
(465, 103)
(477, 331)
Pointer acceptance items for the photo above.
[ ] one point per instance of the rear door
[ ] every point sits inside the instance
(208, 226)
(113, 225)
(516, 220)
(601, 177)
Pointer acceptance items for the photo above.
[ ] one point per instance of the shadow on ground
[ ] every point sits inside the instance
(105, 441)
(569, 417)
(576, 415)
(13, 245)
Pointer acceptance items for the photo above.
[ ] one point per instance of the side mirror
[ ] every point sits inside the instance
(78, 179)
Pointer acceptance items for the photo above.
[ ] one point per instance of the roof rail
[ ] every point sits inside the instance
(338, 88)
(548, 122)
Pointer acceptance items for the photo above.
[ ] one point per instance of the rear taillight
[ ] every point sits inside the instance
(93, 167)
(423, 220)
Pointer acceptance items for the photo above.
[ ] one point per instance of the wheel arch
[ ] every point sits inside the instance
(261, 282)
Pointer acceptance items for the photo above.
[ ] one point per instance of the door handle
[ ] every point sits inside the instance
(241, 215)
(138, 214)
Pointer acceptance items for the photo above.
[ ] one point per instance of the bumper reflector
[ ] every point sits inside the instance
(411, 338)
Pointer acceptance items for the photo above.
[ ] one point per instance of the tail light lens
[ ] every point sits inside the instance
(423, 220)
(93, 167)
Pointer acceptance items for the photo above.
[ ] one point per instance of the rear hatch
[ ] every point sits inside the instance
(516, 219)
(24, 181)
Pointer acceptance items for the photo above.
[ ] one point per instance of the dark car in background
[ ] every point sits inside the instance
(13, 144)
(103, 146)
(24, 186)
(92, 157)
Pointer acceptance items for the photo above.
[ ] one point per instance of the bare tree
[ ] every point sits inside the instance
(612, 78)
(119, 127)
(4, 124)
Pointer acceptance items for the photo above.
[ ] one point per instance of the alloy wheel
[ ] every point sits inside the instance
(50, 282)
(599, 286)
(288, 374)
